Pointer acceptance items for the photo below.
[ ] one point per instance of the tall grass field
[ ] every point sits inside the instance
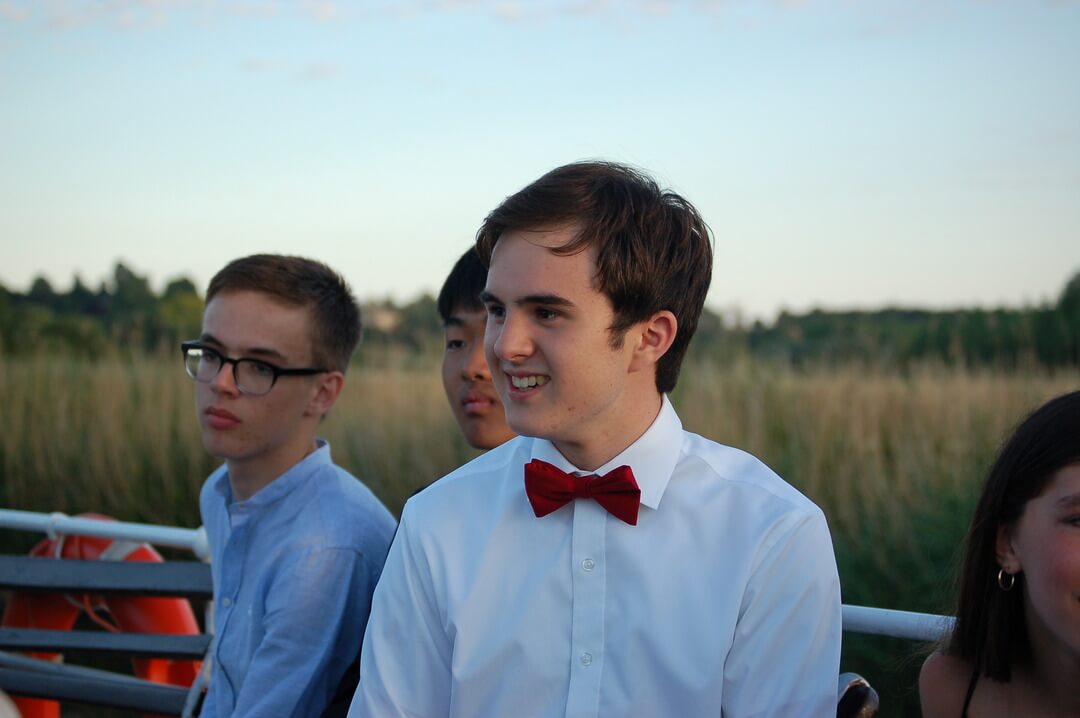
(894, 460)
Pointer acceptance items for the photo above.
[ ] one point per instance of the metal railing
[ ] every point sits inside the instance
(58, 524)
(899, 624)
(857, 619)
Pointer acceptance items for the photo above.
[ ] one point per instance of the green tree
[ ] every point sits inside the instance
(41, 292)
(180, 311)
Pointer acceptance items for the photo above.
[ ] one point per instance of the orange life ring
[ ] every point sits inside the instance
(131, 614)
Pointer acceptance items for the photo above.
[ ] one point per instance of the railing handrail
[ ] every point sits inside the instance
(59, 524)
(857, 619)
(898, 624)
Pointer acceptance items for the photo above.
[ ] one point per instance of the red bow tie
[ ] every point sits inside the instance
(550, 488)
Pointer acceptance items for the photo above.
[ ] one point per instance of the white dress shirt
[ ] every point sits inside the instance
(723, 600)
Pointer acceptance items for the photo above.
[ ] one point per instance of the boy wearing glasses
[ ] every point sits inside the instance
(297, 543)
(606, 562)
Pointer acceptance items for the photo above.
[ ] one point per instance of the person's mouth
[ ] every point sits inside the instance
(523, 384)
(220, 418)
(477, 403)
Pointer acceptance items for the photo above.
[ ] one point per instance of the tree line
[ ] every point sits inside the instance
(124, 316)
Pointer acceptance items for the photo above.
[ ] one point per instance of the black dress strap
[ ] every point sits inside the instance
(970, 692)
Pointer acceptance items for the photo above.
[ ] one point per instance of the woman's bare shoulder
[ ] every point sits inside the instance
(943, 683)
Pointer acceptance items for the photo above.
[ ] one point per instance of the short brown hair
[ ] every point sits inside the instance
(301, 282)
(654, 251)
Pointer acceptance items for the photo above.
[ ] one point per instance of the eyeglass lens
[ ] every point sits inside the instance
(251, 376)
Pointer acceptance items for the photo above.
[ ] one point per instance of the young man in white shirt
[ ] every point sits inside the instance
(607, 562)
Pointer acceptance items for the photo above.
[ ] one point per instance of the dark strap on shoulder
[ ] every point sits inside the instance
(970, 692)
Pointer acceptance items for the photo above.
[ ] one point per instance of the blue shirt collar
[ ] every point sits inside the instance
(280, 487)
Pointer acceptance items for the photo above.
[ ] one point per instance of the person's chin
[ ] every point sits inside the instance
(217, 445)
(475, 430)
(527, 422)
(485, 438)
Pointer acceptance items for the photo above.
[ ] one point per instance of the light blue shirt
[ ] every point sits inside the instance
(294, 568)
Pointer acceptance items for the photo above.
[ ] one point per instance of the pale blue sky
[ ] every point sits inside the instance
(846, 153)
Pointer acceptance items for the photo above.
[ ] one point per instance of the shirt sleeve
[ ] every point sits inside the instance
(316, 608)
(209, 521)
(405, 667)
(785, 658)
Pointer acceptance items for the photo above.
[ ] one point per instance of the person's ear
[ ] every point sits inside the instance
(326, 393)
(1005, 551)
(653, 338)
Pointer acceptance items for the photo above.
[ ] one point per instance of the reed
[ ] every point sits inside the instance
(895, 460)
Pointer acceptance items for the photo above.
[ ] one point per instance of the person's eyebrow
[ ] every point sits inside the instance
(550, 300)
(1068, 502)
(259, 352)
(453, 321)
(266, 353)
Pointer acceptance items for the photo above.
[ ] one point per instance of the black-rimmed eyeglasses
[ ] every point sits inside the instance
(253, 377)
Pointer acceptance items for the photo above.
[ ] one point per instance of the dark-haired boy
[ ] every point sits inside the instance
(466, 378)
(297, 543)
(606, 563)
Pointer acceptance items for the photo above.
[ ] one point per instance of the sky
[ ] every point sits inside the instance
(846, 153)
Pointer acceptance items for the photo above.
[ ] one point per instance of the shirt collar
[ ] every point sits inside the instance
(652, 457)
(283, 485)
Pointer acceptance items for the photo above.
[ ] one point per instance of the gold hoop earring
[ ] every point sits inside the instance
(1006, 580)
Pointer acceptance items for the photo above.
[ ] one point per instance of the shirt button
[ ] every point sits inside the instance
(588, 564)
(226, 602)
(586, 659)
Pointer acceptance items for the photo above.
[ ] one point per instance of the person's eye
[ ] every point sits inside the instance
(261, 369)
(496, 311)
(208, 355)
(454, 344)
(545, 314)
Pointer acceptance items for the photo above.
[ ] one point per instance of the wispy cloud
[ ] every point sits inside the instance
(322, 10)
(509, 11)
(587, 7)
(659, 8)
(120, 14)
(252, 8)
(520, 10)
(13, 12)
(260, 67)
(142, 14)
(320, 71)
(128, 14)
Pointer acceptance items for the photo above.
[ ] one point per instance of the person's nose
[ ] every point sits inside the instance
(475, 367)
(512, 342)
(225, 381)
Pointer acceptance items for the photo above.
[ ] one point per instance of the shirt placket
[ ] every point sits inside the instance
(589, 584)
(231, 577)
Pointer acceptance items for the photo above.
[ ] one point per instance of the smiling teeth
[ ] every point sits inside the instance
(526, 382)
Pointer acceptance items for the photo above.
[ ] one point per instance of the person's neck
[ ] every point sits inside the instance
(591, 452)
(249, 476)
